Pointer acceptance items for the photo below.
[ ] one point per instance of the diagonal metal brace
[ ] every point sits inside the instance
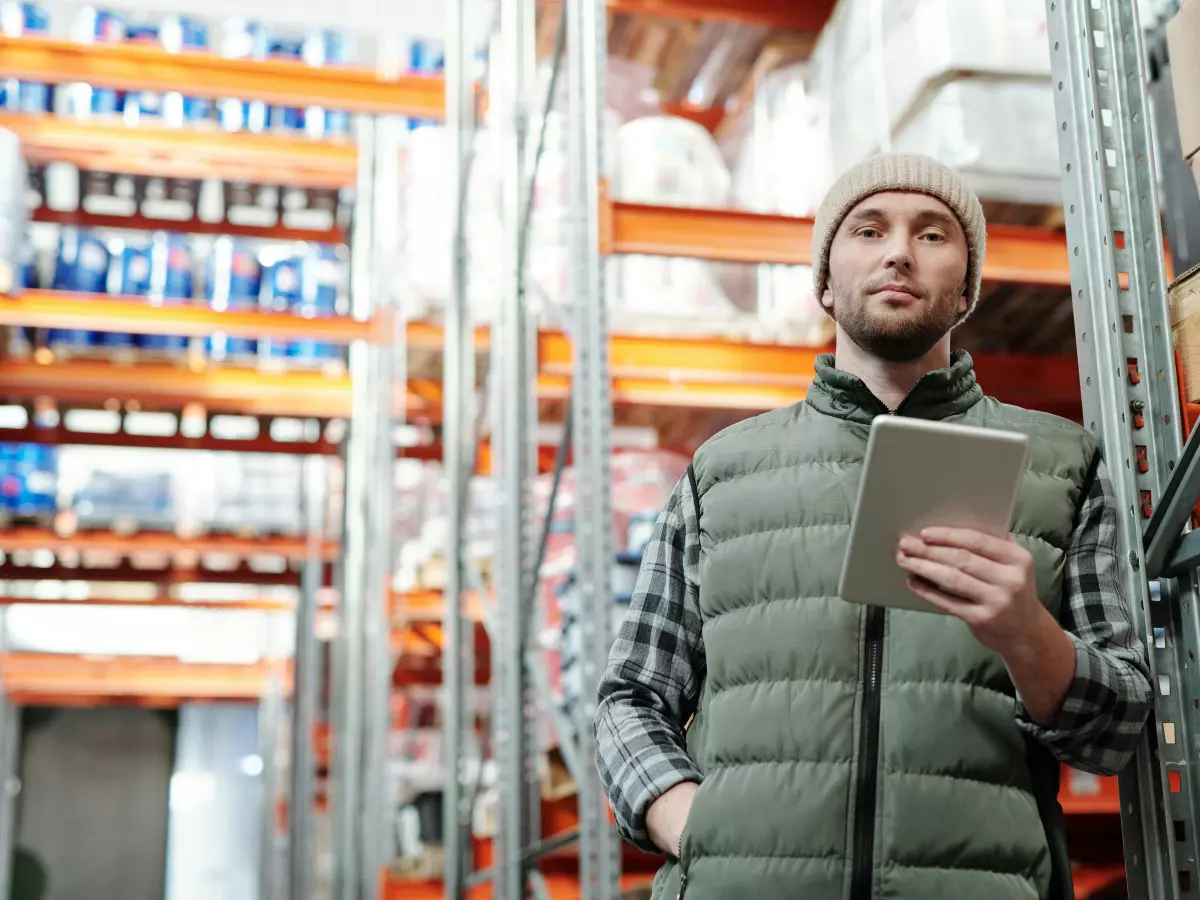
(1167, 552)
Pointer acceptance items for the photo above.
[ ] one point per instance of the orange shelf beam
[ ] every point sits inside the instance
(131, 544)
(1015, 254)
(245, 391)
(279, 82)
(104, 312)
(83, 219)
(41, 678)
(184, 153)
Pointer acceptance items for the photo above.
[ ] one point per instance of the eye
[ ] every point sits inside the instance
(868, 232)
(933, 237)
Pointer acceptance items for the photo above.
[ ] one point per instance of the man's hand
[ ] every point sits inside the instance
(667, 816)
(984, 580)
(988, 583)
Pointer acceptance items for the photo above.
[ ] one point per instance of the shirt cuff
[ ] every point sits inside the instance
(1100, 719)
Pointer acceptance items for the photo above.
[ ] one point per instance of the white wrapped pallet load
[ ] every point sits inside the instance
(885, 59)
(428, 221)
(783, 163)
(999, 134)
(669, 161)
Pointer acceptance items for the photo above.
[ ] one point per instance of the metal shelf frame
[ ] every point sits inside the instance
(1126, 366)
(372, 397)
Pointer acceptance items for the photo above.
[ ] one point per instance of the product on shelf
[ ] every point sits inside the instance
(243, 39)
(28, 483)
(17, 20)
(175, 34)
(170, 284)
(281, 287)
(999, 134)
(258, 494)
(93, 25)
(82, 265)
(782, 163)
(13, 217)
(232, 283)
(669, 161)
(887, 61)
(319, 297)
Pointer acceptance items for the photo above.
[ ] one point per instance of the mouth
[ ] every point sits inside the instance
(896, 293)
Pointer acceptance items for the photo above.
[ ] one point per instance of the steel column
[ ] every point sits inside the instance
(389, 379)
(301, 849)
(10, 774)
(270, 709)
(459, 383)
(1126, 364)
(592, 414)
(347, 694)
(514, 742)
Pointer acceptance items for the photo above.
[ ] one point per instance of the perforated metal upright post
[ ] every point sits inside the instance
(301, 833)
(1126, 369)
(347, 692)
(513, 738)
(458, 415)
(591, 392)
(388, 389)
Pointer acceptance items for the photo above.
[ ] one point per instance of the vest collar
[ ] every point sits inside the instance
(937, 395)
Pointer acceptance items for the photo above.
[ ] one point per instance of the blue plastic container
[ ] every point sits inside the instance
(132, 280)
(20, 20)
(320, 286)
(93, 25)
(170, 285)
(281, 290)
(28, 480)
(320, 49)
(81, 265)
(285, 118)
(243, 39)
(233, 283)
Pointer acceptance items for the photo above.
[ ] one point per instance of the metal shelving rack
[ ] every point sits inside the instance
(371, 399)
(1126, 358)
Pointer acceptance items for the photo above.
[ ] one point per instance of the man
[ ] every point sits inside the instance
(778, 743)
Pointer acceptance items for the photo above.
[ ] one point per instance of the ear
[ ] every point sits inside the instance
(827, 300)
(962, 303)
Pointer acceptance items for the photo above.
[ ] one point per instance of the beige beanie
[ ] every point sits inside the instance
(901, 172)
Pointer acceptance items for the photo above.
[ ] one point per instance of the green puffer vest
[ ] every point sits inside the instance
(847, 752)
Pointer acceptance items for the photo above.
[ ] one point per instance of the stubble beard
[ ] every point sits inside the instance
(895, 338)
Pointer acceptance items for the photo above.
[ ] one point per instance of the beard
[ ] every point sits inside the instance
(894, 335)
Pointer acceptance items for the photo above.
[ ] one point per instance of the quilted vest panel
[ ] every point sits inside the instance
(777, 731)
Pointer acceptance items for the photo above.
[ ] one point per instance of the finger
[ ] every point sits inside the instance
(946, 578)
(999, 548)
(983, 568)
(955, 606)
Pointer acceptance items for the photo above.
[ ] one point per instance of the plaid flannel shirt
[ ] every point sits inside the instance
(652, 682)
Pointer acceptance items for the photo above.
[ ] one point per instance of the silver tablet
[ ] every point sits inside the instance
(920, 473)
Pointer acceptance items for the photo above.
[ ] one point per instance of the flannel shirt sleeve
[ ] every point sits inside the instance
(655, 668)
(1107, 704)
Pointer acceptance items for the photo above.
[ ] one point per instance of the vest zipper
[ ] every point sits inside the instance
(682, 884)
(868, 757)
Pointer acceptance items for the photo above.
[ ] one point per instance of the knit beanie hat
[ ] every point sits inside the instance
(901, 172)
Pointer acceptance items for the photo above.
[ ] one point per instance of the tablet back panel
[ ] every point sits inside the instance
(919, 473)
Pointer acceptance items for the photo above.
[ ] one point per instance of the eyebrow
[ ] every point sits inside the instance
(926, 216)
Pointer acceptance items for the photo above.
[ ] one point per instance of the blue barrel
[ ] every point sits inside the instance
(320, 49)
(170, 285)
(181, 34)
(321, 279)
(81, 265)
(93, 25)
(285, 118)
(243, 39)
(281, 289)
(133, 280)
(35, 468)
(233, 283)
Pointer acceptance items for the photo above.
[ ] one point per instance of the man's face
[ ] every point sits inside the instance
(897, 274)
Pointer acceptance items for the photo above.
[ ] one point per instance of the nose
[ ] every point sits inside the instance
(898, 254)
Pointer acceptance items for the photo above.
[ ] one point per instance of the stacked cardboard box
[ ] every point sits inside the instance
(1183, 45)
